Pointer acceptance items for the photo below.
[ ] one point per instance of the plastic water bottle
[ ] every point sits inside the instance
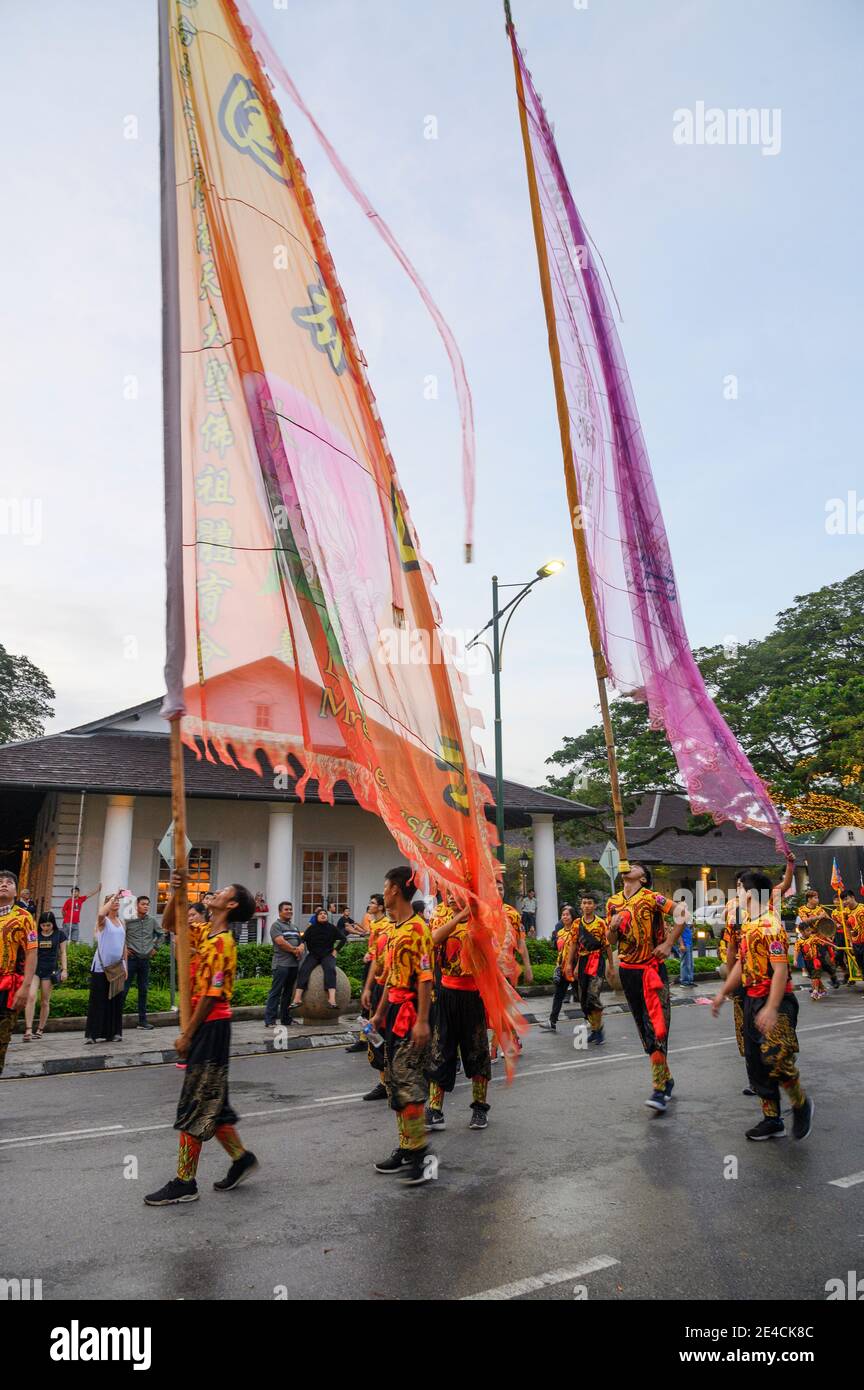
(370, 1034)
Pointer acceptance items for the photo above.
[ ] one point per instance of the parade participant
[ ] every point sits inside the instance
(563, 976)
(842, 916)
(770, 1012)
(588, 945)
(636, 924)
(458, 1026)
(372, 916)
(855, 931)
(818, 952)
(402, 1017)
(18, 952)
(203, 1110)
(730, 945)
(513, 942)
(370, 998)
(50, 971)
(320, 939)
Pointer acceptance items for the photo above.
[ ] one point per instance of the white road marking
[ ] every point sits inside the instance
(325, 1102)
(542, 1281)
(851, 1181)
(95, 1130)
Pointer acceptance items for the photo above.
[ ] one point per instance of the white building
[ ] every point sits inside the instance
(91, 805)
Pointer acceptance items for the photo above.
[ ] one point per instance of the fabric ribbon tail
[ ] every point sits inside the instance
(653, 986)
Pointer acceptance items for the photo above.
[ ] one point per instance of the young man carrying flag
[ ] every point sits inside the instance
(770, 1011)
(203, 1110)
(636, 924)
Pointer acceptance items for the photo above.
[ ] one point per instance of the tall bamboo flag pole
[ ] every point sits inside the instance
(600, 667)
(172, 455)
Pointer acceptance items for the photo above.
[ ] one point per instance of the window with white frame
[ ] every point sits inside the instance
(325, 876)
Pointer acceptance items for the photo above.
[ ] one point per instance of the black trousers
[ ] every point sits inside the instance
(771, 1060)
(458, 1029)
(203, 1105)
(633, 984)
(281, 994)
(138, 968)
(308, 964)
(561, 987)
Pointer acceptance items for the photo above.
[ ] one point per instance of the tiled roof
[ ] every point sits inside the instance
(138, 764)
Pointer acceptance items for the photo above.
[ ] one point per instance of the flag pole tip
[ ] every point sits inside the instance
(468, 552)
(507, 15)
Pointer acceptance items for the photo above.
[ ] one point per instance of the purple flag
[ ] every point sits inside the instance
(642, 630)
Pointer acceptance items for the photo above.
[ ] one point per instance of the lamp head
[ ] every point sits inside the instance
(550, 567)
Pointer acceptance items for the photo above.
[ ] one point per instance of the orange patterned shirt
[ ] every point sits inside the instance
(645, 930)
(214, 966)
(408, 955)
(764, 944)
(17, 937)
(378, 934)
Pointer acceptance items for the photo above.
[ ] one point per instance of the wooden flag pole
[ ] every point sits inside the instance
(583, 566)
(173, 454)
(181, 896)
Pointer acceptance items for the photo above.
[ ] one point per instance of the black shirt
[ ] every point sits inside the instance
(321, 937)
(49, 951)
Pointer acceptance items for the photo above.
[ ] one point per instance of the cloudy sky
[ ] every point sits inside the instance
(726, 262)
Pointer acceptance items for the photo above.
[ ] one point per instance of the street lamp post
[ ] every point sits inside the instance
(523, 869)
(495, 651)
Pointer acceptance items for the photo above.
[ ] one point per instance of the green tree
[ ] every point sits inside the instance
(793, 699)
(25, 692)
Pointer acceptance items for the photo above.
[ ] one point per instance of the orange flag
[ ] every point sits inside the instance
(311, 636)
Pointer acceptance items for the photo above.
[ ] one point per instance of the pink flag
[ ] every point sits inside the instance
(642, 630)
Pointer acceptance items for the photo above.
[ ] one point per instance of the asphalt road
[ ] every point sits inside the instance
(575, 1184)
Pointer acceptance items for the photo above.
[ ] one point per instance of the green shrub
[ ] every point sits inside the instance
(541, 952)
(543, 972)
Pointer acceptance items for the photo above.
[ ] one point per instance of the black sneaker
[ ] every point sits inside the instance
(478, 1117)
(598, 1037)
(242, 1168)
(802, 1119)
(657, 1101)
(748, 1091)
(173, 1192)
(422, 1166)
(378, 1092)
(149, 1026)
(358, 1046)
(549, 1027)
(767, 1129)
(395, 1163)
(434, 1119)
(669, 1088)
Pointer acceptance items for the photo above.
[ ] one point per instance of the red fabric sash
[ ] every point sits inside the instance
(593, 963)
(407, 1015)
(652, 986)
(12, 983)
(459, 982)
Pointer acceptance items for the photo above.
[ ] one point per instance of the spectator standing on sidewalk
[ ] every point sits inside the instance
(72, 910)
(107, 975)
(142, 937)
(684, 953)
(287, 950)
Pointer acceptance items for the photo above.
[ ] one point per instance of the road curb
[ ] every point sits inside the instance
(107, 1061)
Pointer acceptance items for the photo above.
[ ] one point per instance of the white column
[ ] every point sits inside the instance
(280, 858)
(545, 875)
(117, 844)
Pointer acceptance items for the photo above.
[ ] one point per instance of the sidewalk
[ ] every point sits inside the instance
(66, 1050)
(63, 1049)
